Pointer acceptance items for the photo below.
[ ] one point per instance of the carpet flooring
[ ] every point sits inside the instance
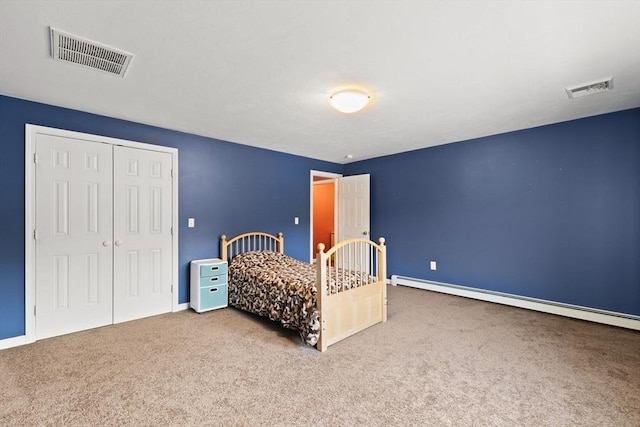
(440, 360)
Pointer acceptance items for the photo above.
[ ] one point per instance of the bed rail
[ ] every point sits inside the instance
(253, 241)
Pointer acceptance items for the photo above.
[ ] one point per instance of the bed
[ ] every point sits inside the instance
(342, 294)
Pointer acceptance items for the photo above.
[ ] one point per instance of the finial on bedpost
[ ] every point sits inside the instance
(381, 240)
(320, 247)
(223, 247)
(280, 242)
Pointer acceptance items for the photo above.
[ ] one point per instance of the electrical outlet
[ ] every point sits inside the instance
(191, 223)
(432, 265)
(296, 220)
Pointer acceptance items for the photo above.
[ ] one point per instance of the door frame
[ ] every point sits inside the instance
(329, 175)
(31, 131)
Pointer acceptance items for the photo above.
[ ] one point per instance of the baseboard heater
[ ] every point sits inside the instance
(575, 311)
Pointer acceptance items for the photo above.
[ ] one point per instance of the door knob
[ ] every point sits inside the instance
(106, 243)
(365, 233)
(118, 242)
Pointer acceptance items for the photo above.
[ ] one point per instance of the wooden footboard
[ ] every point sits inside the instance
(346, 310)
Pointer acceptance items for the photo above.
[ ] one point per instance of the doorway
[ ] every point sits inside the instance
(323, 212)
(351, 199)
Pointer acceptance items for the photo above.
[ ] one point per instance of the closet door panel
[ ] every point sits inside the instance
(142, 233)
(73, 246)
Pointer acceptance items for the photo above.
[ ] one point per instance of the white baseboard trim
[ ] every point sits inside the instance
(575, 311)
(181, 307)
(22, 339)
(13, 342)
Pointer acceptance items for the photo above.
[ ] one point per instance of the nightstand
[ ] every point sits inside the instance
(208, 284)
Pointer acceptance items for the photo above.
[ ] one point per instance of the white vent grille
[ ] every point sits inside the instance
(70, 48)
(590, 88)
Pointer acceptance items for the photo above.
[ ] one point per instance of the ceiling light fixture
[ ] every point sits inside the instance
(349, 100)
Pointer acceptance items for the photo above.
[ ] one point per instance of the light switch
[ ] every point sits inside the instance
(432, 265)
(191, 223)
(296, 220)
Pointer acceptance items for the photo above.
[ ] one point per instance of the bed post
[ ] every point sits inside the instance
(223, 247)
(321, 260)
(382, 276)
(280, 243)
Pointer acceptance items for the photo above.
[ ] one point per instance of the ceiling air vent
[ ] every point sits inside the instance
(590, 88)
(70, 48)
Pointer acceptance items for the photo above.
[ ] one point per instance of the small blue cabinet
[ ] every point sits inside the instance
(208, 284)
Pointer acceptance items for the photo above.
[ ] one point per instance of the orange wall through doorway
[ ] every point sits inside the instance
(323, 219)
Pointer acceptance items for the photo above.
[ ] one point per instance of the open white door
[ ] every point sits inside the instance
(352, 207)
(352, 219)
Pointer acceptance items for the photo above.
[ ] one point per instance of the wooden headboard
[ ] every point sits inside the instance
(253, 241)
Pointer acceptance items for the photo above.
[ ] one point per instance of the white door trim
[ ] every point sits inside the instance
(29, 201)
(311, 175)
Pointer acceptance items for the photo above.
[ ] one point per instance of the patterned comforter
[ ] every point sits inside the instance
(283, 289)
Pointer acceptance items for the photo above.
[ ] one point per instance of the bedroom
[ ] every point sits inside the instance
(460, 204)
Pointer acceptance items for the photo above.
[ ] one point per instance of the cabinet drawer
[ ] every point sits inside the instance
(213, 297)
(213, 281)
(213, 269)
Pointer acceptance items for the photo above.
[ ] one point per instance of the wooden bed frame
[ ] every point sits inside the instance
(343, 313)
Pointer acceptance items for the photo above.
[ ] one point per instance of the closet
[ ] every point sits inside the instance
(103, 249)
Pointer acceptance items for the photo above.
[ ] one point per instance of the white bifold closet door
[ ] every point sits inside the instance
(74, 226)
(142, 233)
(103, 234)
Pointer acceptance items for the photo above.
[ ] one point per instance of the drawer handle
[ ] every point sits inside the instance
(213, 279)
(213, 268)
(213, 289)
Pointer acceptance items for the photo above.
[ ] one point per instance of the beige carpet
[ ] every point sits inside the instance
(439, 360)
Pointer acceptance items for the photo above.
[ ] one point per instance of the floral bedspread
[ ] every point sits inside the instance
(283, 289)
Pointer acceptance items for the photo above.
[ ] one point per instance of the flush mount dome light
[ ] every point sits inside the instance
(349, 100)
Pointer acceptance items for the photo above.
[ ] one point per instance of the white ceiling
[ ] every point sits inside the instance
(260, 72)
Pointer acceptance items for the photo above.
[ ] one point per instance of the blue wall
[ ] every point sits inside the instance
(228, 188)
(550, 212)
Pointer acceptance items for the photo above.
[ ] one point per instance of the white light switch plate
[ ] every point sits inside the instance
(191, 223)
(432, 265)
